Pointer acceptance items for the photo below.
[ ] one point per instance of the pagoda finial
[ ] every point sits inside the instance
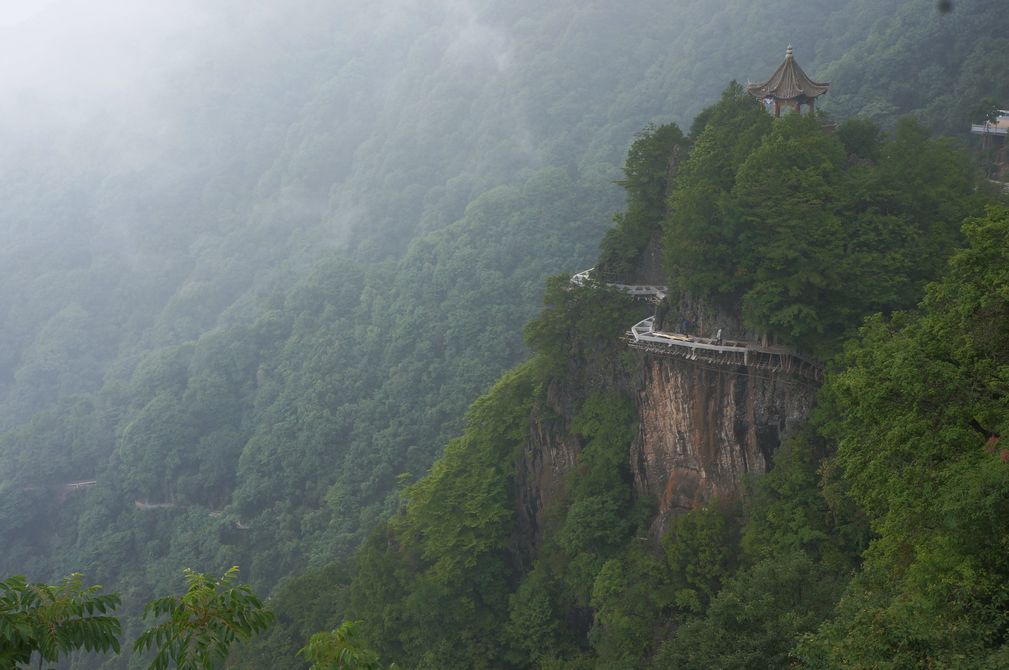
(788, 51)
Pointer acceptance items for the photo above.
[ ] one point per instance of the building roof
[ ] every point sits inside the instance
(788, 82)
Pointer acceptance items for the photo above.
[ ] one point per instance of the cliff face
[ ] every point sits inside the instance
(550, 454)
(702, 429)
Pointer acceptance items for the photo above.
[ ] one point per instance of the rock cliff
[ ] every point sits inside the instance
(704, 428)
(701, 430)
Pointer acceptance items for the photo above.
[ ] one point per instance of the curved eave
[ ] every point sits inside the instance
(789, 82)
(759, 91)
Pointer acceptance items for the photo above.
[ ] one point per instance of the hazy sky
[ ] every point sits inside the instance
(65, 59)
(13, 12)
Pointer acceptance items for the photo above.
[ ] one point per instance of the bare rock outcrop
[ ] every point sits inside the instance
(702, 430)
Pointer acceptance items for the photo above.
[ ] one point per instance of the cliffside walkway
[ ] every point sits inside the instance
(637, 290)
(728, 352)
(142, 505)
(643, 336)
(63, 489)
(146, 506)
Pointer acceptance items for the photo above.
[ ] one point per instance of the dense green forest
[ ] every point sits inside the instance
(255, 320)
(836, 539)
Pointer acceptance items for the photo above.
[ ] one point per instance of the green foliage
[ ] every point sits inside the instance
(752, 595)
(699, 240)
(917, 416)
(790, 239)
(986, 111)
(578, 324)
(601, 514)
(799, 508)
(777, 220)
(54, 620)
(606, 422)
(535, 628)
(701, 553)
(550, 613)
(266, 319)
(739, 590)
(756, 618)
(727, 592)
(861, 139)
(202, 624)
(650, 165)
(629, 597)
(915, 59)
(433, 587)
(459, 511)
(339, 650)
(302, 604)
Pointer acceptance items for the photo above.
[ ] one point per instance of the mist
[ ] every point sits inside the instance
(257, 257)
(71, 62)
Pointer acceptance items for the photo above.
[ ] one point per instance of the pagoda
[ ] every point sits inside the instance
(788, 85)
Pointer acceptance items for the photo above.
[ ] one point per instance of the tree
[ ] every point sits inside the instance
(701, 552)
(756, 618)
(790, 239)
(919, 417)
(54, 620)
(650, 166)
(339, 650)
(700, 242)
(203, 623)
(986, 111)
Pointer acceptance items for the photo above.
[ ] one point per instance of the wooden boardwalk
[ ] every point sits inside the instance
(731, 353)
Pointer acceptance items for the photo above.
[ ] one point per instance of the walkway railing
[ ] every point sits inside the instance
(643, 336)
(988, 129)
(636, 290)
(69, 487)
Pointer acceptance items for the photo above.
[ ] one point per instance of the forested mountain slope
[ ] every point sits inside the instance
(909, 62)
(540, 540)
(262, 304)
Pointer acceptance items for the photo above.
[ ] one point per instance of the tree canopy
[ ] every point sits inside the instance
(805, 231)
(250, 319)
(202, 624)
(54, 621)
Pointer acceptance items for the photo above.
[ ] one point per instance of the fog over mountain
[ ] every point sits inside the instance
(70, 65)
(257, 257)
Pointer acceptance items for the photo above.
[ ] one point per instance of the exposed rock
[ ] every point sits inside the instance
(649, 267)
(703, 429)
(706, 318)
(549, 456)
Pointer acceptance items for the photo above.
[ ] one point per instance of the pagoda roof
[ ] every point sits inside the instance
(788, 83)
